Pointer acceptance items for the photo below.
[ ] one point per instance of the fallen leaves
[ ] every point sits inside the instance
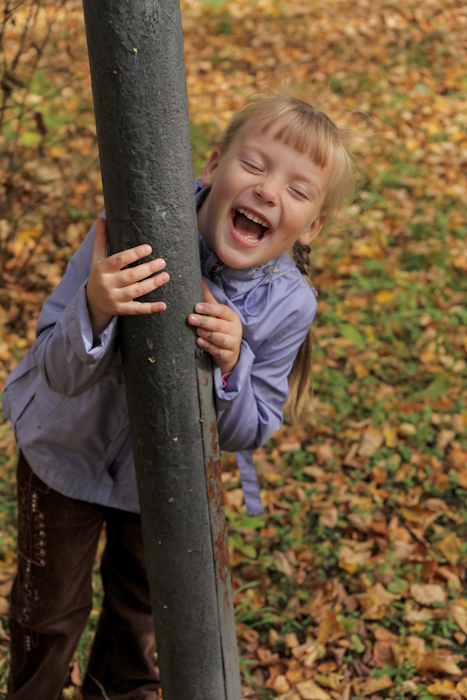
(444, 689)
(450, 547)
(310, 691)
(372, 440)
(375, 602)
(374, 685)
(330, 629)
(356, 575)
(459, 614)
(427, 594)
(440, 664)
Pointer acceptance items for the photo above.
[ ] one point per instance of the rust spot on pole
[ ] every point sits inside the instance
(221, 555)
(218, 531)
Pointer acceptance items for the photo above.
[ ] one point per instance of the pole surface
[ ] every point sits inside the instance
(138, 77)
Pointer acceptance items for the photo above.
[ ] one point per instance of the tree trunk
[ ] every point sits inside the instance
(139, 89)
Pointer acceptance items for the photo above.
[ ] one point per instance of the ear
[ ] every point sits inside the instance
(209, 168)
(312, 232)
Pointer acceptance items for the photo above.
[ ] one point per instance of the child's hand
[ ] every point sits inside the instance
(219, 329)
(112, 290)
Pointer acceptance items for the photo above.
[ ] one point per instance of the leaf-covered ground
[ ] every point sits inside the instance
(353, 583)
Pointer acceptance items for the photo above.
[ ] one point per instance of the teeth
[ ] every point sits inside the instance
(254, 218)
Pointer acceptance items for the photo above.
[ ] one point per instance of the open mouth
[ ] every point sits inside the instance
(249, 226)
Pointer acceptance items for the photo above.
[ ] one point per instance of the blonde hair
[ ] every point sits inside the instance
(311, 129)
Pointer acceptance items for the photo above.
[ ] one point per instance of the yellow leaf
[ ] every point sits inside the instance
(404, 653)
(421, 516)
(390, 437)
(352, 566)
(460, 261)
(361, 370)
(385, 296)
(461, 687)
(452, 190)
(441, 687)
(370, 334)
(406, 429)
(411, 145)
(26, 234)
(450, 547)
(272, 477)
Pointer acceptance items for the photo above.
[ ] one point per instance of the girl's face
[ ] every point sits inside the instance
(264, 196)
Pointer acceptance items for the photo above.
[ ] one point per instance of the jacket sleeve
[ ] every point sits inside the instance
(250, 406)
(63, 350)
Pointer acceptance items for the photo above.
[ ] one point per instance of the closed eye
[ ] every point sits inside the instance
(299, 193)
(252, 166)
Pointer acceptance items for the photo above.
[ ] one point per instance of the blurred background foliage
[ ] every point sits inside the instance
(352, 584)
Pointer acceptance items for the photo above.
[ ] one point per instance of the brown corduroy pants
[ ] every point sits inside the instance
(51, 598)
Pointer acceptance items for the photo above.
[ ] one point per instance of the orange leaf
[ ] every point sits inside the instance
(330, 629)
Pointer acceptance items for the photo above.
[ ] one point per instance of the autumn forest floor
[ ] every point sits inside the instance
(353, 583)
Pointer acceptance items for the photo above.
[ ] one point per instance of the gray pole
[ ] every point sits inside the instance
(139, 89)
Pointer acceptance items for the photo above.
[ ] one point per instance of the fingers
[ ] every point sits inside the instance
(214, 310)
(225, 358)
(139, 289)
(135, 274)
(137, 308)
(120, 260)
(219, 331)
(209, 323)
(220, 340)
(219, 354)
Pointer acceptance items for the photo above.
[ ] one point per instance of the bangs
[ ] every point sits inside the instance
(310, 132)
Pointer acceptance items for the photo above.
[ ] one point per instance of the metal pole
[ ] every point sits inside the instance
(138, 77)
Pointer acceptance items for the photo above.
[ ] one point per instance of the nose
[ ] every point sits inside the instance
(267, 190)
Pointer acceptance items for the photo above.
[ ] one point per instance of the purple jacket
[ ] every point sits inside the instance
(66, 400)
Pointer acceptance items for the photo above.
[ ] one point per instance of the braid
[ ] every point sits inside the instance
(299, 377)
(301, 257)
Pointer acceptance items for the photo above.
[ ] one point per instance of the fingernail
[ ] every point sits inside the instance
(146, 249)
(202, 342)
(192, 318)
(165, 277)
(199, 307)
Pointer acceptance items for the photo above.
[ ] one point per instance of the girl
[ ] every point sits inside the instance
(280, 169)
